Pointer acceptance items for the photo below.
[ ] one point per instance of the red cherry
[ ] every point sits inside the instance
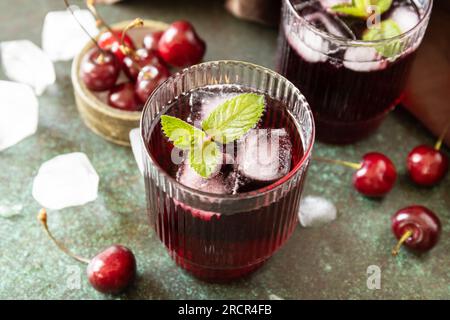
(149, 78)
(180, 46)
(417, 227)
(112, 270)
(135, 60)
(426, 165)
(123, 97)
(99, 70)
(112, 41)
(151, 40)
(376, 176)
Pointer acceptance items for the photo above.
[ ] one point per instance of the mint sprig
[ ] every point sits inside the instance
(363, 8)
(226, 123)
(204, 158)
(233, 118)
(182, 134)
(385, 30)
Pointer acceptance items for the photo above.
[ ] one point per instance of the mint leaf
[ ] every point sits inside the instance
(204, 158)
(203, 153)
(233, 118)
(228, 122)
(385, 30)
(350, 10)
(363, 8)
(182, 134)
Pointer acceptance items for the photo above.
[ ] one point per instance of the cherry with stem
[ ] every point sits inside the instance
(111, 39)
(135, 60)
(428, 165)
(415, 227)
(375, 175)
(110, 271)
(99, 69)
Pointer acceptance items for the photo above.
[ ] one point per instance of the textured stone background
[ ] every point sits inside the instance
(329, 262)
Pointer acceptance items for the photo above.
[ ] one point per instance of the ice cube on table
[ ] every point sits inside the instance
(137, 148)
(405, 17)
(62, 36)
(66, 180)
(264, 154)
(202, 102)
(25, 62)
(363, 59)
(10, 211)
(219, 182)
(316, 211)
(19, 113)
(273, 296)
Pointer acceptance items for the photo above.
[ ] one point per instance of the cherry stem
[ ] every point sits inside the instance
(438, 144)
(42, 217)
(138, 22)
(400, 242)
(90, 4)
(349, 164)
(66, 2)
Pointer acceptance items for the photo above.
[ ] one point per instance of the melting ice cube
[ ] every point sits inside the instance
(136, 146)
(316, 211)
(273, 296)
(19, 113)
(264, 154)
(66, 180)
(202, 102)
(62, 36)
(222, 182)
(406, 17)
(363, 59)
(25, 62)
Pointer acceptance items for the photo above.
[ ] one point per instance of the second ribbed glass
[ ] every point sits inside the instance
(349, 84)
(222, 237)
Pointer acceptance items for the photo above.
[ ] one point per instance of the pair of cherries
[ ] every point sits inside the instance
(375, 176)
(146, 67)
(415, 226)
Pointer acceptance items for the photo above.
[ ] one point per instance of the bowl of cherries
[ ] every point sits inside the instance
(116, 72)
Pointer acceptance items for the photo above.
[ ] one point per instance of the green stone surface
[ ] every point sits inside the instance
(329, 262)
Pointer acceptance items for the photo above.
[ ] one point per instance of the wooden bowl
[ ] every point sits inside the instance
(111, 124)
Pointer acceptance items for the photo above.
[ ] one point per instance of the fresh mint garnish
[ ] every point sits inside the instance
(233, 118)
(363, 8)
(385, 30)
(228, 122)
(204, 158)
(182, 134)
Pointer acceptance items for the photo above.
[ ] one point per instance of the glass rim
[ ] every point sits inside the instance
(351, 42)
(274, 187)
